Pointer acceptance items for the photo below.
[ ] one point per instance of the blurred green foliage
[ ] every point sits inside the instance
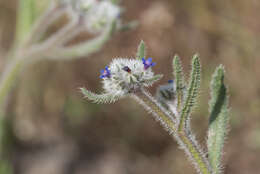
(5, 167)
(27, 13)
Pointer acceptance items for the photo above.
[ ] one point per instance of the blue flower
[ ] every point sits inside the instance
(148, 63)
(105, 73)
(170, 81)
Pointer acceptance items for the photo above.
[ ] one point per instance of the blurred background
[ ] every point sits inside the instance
(53, 130)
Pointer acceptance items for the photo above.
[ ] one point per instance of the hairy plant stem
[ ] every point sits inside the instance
(23, 53)
(166, 119)
(52, 14)
(16, 56)
(9, 76)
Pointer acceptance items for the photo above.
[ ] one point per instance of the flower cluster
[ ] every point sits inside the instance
(103, 13)
(97, 14)
(124, 76)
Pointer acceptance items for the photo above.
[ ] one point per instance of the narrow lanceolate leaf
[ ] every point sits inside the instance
(100, 98)
(141, 50)
(192, 93)
(179, 81)
(218, 108)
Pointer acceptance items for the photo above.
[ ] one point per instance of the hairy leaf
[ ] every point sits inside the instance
(100, 98)
(218, 108)
(141, 50)
(192, 93)
(179, 81)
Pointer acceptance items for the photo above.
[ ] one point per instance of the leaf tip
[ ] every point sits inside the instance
(141, 50)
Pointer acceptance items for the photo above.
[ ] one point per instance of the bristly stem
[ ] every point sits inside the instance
(185, 140)
(166, 119)
(44, 21)
(85, 48)
(194, 152)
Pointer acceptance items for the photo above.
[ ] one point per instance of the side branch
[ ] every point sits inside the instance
(168, 121)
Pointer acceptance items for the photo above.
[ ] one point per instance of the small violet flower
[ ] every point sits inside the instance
(148, 63)
(105, 73)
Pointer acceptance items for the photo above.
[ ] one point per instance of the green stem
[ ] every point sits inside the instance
(8, 77)
(187, 142)
(51, 15)
(25, 19)
(13, 67)
(151, 105)
(195, 153)
(85, 48)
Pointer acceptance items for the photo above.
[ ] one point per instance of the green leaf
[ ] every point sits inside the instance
(218, 108)
(179, 81)
(141, 50)
(5, 167)
(192, 93)
(100, 98)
